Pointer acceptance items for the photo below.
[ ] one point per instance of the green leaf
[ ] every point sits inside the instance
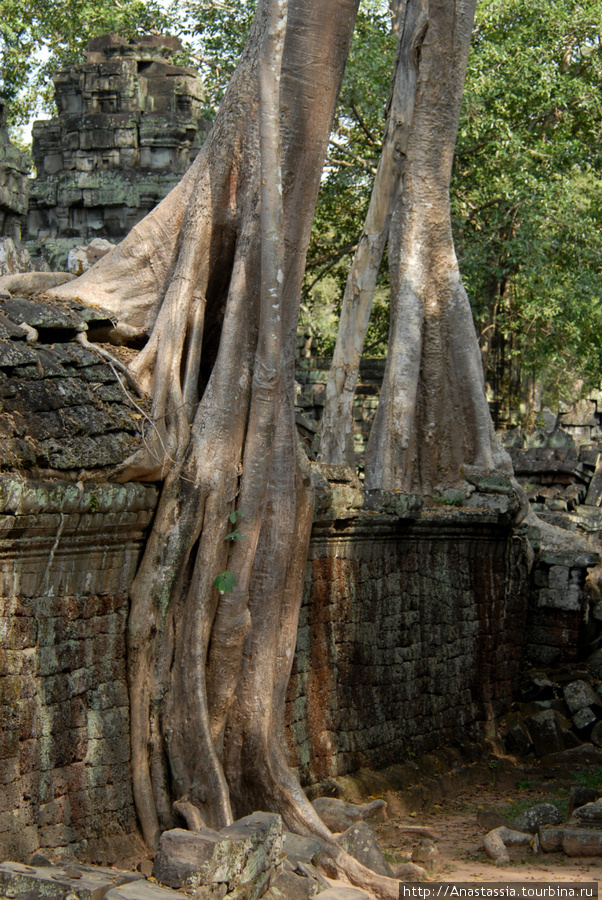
(225, 582)
(235, 535)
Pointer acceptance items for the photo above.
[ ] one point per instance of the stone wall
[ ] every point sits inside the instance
(67, 558)
(129, 125)
(15, 166)
(410, 636)
(312, 374)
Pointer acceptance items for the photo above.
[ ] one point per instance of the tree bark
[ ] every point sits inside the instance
(336, 441)
(213, 277)
(433, 417)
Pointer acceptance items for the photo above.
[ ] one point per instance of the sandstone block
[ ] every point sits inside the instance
(361, 842)
(582, 841)
(241, 856)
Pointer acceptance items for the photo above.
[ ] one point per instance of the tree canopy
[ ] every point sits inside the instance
(35, 38)
(526, 194)
(525, 191)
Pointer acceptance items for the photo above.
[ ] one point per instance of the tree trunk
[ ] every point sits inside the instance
(213, 276)
(336, 442)
(433, 417)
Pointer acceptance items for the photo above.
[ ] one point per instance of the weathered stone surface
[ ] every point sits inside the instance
(550, 839)
(301, 849)
(425, 854)
(57, 882)
(15, 166)
(496, 841)
(361, 842)
(339, 815)
(141, 890)
(582, 841)
(545, 733)
(590, 814)
(290, 886)
(80, 259)
(583, 719)
(129, 125)
(392, 612)
(579, 796)
(344, 893)
(579, 695)
(532, 819)
(13, 258)
(241, 857)
(516, 736)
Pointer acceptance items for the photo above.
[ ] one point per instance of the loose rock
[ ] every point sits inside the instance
(496, 841)
(240, 858)
(361, 842)
(531, 819)
(425, 854)
(579, 695)
(339, 815)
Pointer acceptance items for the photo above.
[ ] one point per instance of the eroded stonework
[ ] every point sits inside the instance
(129, 125)
(15, 166)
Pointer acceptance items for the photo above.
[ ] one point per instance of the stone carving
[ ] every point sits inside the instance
(15, 166)
(128, 126)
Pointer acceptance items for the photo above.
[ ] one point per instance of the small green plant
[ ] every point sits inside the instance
(591, 778)
(524, 784)
(225, 582)
(235, 535)
(94, 503)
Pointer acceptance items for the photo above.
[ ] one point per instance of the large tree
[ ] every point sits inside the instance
(433, 418)
(212, 278)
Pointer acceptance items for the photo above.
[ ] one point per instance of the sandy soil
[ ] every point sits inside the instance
(460, 845)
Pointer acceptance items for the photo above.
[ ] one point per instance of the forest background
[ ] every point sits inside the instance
(526, 190)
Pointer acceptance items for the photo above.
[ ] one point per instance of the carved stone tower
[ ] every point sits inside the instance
(128, 127)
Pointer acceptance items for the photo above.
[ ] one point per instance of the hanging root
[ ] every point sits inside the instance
(190, 813)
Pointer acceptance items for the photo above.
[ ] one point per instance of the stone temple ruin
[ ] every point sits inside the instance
(129, 125)
(14, 170)
(419, 615)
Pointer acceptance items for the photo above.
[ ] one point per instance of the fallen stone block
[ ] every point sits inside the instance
(339, 815)
(361, 842)
(579, 695)
(301, 849)
(425, 854)
(582, 841)
(240, 857)
(545, 733)
(589, 815)
(541, 814)
(290, 886)
(496, 841)
(580, 795)
(550, 839)
(80, 882)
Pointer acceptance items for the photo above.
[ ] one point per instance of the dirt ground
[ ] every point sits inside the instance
(460, 839)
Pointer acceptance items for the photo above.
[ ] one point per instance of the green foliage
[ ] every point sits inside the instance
(218, 32)
(526, 195)
(225, 582)
(590, 778)
(35, 38)
(347, 183)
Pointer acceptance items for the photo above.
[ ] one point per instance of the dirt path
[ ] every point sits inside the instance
(461, 854)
